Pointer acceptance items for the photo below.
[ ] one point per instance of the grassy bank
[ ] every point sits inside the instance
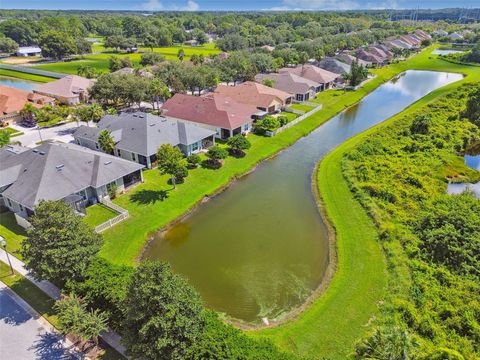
(344, 312)
(25, 76)
(150, 209)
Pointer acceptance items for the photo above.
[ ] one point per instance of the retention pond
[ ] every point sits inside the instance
(260, 248)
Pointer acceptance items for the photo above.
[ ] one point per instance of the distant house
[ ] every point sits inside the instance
(399, 44)
(263, 97)
(69, 90)
(440, 33)
(130, 71)
(222, 56)
(386, 56)
(335, 66)
(12, 101)
(138, 136)
(58, 171)
(422, 35)
(28, 51)
(303, 89)
(268, 48)
(222, 114)
(455, 36)
(349, 59)
(369, 57)
(313, 73)
(192, 42)
(411, 40)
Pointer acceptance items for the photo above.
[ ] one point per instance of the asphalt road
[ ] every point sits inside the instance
(24, 337)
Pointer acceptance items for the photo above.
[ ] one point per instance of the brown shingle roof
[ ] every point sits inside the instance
(68, 87)
(313, 73)
(253, 93)
(213, 109)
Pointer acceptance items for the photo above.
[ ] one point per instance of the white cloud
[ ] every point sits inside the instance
(388, 4)
(323, 4)
(156, 5)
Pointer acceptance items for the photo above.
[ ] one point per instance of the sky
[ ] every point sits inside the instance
(206, 5)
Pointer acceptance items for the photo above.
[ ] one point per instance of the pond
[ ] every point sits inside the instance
(260, 248)
(472, 161)
(446, 51)
(17, 83)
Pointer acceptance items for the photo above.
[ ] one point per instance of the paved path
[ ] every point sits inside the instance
(25, 335)
(110, 337)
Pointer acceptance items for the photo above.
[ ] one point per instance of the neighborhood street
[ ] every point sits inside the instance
(25, 335)
(32, 136)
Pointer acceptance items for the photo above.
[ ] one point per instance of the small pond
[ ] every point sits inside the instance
(446, 51)
(17, 83)
(260, 248)
(472, 161)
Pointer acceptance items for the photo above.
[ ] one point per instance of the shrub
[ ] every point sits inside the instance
(238, 144)
(215, 156)
(193, 161)
(269, 123)
(283, 120)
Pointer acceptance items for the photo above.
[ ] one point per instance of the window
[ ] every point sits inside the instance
(195, 146)
(96, 146)
(21, 207)
(133, 157)
(9, 202)
(246, 127)
(119, 153)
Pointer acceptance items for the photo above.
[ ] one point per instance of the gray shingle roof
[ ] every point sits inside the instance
(143, 133)
(53, 171)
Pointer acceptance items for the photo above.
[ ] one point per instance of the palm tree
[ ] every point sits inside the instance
(106, 142)
(158, 90)
(96, 112)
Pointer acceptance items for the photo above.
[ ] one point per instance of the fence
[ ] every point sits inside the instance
(123, 214)
(293, 122)
(28, 70)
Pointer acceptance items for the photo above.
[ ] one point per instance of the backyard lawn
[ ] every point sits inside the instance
(97, 214)
(12, 232)
(302, 107)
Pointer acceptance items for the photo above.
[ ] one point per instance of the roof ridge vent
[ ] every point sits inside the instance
(59, 167)
(35, 150)
(107, 162)
(42, 152)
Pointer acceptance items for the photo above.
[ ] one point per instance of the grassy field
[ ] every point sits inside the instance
(25, 76)
(342, 314)
(12, 232)
(301, 107)
(12, 132)
(39, 301)
(97, 214)
(100, 60)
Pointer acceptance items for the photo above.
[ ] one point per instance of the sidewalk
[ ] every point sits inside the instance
(110, 337)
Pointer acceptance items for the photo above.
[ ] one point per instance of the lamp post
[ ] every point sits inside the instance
(39, 134)
(3, 242)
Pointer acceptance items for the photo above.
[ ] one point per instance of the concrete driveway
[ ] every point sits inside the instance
(24, 335)
(32, 136)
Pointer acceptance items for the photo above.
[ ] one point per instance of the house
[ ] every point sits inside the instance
(138, 136)
(69, 90)
(192, 42)
(349, 59)
(264, 98)
(399, 44)
(12, 101)
(267, 48)
(28, 51)
(455, 36)
(58, 171)
(314, 73)
(130, 71)
(335, 66)
(422, 35)
(411, 40)
(386, 56)
(371, 58)
(440, 33)
(382, 49)
(222, 114)
(303, 89)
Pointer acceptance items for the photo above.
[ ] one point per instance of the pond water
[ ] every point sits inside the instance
(446, 51)
(260, 248)
(17, 83)
(474, 162)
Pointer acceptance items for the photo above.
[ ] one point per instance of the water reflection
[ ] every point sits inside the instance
(259, 248)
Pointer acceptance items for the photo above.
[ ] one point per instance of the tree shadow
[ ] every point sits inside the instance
(50, 346)
(10, 312)
(146, 197)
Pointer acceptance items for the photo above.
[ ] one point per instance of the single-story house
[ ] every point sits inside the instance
(69, 90)
(130, 71)
(303, 89)
(371, 58)
(12, 101)
(411, 40)
(138, 136)
(334, 65)
(381, 53)
(313, 73)
(349, 59)
(28, 51)
(58, 171)
(267, 48)
(455, 36)
(222, 114)
(399, 44)
(263, 97)
(192, 42)
(440, 33)
(422, 34)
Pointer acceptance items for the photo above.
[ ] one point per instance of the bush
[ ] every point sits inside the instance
(269, 123)
(217, 153)
(193, 161)
(283, 120)
(238, 144)
(112, 191)
(151, 58)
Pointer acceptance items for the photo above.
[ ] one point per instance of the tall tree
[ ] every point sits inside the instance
(59, 245)
(56, 45)
(158, 91)
(169, 160)
(7, 45)
(106, 142)
(163, 314)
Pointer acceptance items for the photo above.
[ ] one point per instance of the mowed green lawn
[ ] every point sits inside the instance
(25, 76)
(97, 214)
(100, 61)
